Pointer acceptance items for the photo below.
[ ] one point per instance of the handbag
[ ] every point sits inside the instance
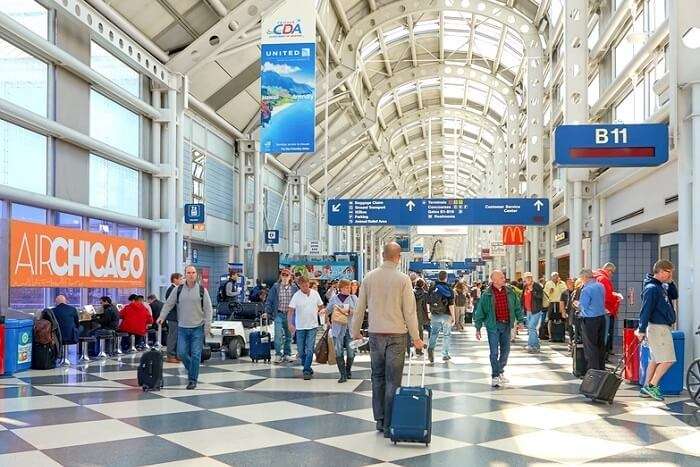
(339, 316)
(321, 349)
(331, 351)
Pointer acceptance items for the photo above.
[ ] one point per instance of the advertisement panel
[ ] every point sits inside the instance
(47, 256)
(288, 79)
(320, 269)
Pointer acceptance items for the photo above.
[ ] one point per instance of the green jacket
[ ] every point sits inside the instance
(485, 314)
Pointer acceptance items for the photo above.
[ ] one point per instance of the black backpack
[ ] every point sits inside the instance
(438, 303)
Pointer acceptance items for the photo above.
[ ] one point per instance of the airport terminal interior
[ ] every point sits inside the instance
(509, 184)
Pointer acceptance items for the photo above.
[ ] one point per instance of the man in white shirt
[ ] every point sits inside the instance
(304, 309)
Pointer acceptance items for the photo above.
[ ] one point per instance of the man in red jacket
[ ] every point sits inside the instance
(135, 317)
(612, 302)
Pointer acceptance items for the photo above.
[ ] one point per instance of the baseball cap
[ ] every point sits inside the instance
(527, 274)
(285, 271)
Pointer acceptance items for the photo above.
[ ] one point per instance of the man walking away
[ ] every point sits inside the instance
(498, 309)
(532, 306)
(387, 292)
(612, 302)
(171, 320)
(461, 302)
(442, 312)
(655, 320)
(276, 307)
(592, 313)
(304, 309)
(194, 321)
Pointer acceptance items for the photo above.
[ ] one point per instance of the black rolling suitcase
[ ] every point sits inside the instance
(558, 331)
(260, 345)
(44, 356)
(602, 385)
(579, 361)
(150, 371)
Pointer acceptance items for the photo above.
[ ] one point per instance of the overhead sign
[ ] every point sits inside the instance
(486, 254)
(194, 213)
(272, 237)
(622, 145)
(314, 247)
(418, 249)
(46, 256)
(513, 235)
(497, 249)
(437, 211)
(195, 256)
(288, 78)
(404, 242)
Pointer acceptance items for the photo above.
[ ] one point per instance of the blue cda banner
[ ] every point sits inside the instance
(288, 91)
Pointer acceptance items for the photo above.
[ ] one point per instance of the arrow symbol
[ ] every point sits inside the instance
(336, 208)
(538, 205)
(410, 205)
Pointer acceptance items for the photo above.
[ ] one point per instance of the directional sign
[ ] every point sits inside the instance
(272, 237)
(194, 213)
(623, 145)
(438, 211)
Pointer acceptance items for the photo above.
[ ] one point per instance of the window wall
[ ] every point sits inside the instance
(113, 186)
(22, 152)
(23, 79)
(29, 14)
(114, 69)
(113, 124)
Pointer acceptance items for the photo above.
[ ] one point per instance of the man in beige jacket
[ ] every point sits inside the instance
(388, 294)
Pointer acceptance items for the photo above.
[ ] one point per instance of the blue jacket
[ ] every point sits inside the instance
(656, 303)
(68, 323)
(272, 302)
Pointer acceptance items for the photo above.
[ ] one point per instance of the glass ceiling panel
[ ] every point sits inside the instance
(395, 34)
(426, 25)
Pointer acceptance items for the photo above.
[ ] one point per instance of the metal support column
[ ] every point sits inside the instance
(258, 208)
(595, 234)
(155, 256)
(576, 111)
(242, 169)
(547, 251)
(303, 244)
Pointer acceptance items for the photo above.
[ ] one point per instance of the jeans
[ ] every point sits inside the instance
(282, 335)
(189, 349)
(171, 340)
(386, 353)
(533, 338)
(594, 342)
(499, 347)
(342, 346)
(306, 341)
(440, 323)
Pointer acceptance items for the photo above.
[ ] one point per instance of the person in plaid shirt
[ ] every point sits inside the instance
(498, 309)
(276, 307)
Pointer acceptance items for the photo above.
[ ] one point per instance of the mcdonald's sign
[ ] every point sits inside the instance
(514, 235)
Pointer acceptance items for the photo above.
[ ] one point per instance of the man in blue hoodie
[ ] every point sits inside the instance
(442, 316)
(655, 320)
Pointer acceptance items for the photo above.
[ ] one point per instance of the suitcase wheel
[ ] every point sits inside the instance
(145, 388)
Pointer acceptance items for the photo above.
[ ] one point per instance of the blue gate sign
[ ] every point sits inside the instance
(623, 145)
(437, 211)
(194, 213)
(272, 237)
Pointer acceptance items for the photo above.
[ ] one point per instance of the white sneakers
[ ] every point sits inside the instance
(499, 381)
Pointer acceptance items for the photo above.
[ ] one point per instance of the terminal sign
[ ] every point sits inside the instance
(439, 211)
(633, 145)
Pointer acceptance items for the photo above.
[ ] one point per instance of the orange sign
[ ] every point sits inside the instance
(47, 256)
(513, 235)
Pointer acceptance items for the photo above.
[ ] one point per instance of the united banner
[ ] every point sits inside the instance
(513, 235)
(288, 78)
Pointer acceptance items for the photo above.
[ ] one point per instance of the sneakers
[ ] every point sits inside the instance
(431, 356)
(277, 359)
(191, 385)
(307, 376)
(652, 391)
(446, 358)
(503, 379)
(172, 360)
(496, 382)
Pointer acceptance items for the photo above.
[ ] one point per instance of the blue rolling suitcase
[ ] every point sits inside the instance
(672, 381)
(260, 344)
(411, 415)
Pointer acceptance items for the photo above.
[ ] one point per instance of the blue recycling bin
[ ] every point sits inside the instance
(672, 381)
(19, 333)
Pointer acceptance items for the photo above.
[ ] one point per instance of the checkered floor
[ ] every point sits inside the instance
(249, 414)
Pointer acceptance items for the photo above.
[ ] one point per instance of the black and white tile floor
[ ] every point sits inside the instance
(249, 414)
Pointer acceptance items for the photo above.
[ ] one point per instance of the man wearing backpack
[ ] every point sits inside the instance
(194, 321)
(442, 316)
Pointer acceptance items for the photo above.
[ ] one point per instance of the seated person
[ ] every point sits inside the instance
(68, 320)
(135, 317)
(109, 318)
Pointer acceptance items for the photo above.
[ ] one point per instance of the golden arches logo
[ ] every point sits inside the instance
(513, 235)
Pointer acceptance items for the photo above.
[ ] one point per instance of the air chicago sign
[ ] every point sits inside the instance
(46, 256)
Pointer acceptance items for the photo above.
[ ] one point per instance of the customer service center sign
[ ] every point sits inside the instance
(46, 256)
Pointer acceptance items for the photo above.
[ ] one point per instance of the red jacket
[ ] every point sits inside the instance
(612, 302)
(135, 319)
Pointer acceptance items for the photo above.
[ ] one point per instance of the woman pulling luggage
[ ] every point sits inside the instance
(340, 309)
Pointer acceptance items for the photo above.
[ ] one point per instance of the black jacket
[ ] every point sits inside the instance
(68, 322)
(109, 318)
(172, 315)
(537, 295)
(156, 307)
